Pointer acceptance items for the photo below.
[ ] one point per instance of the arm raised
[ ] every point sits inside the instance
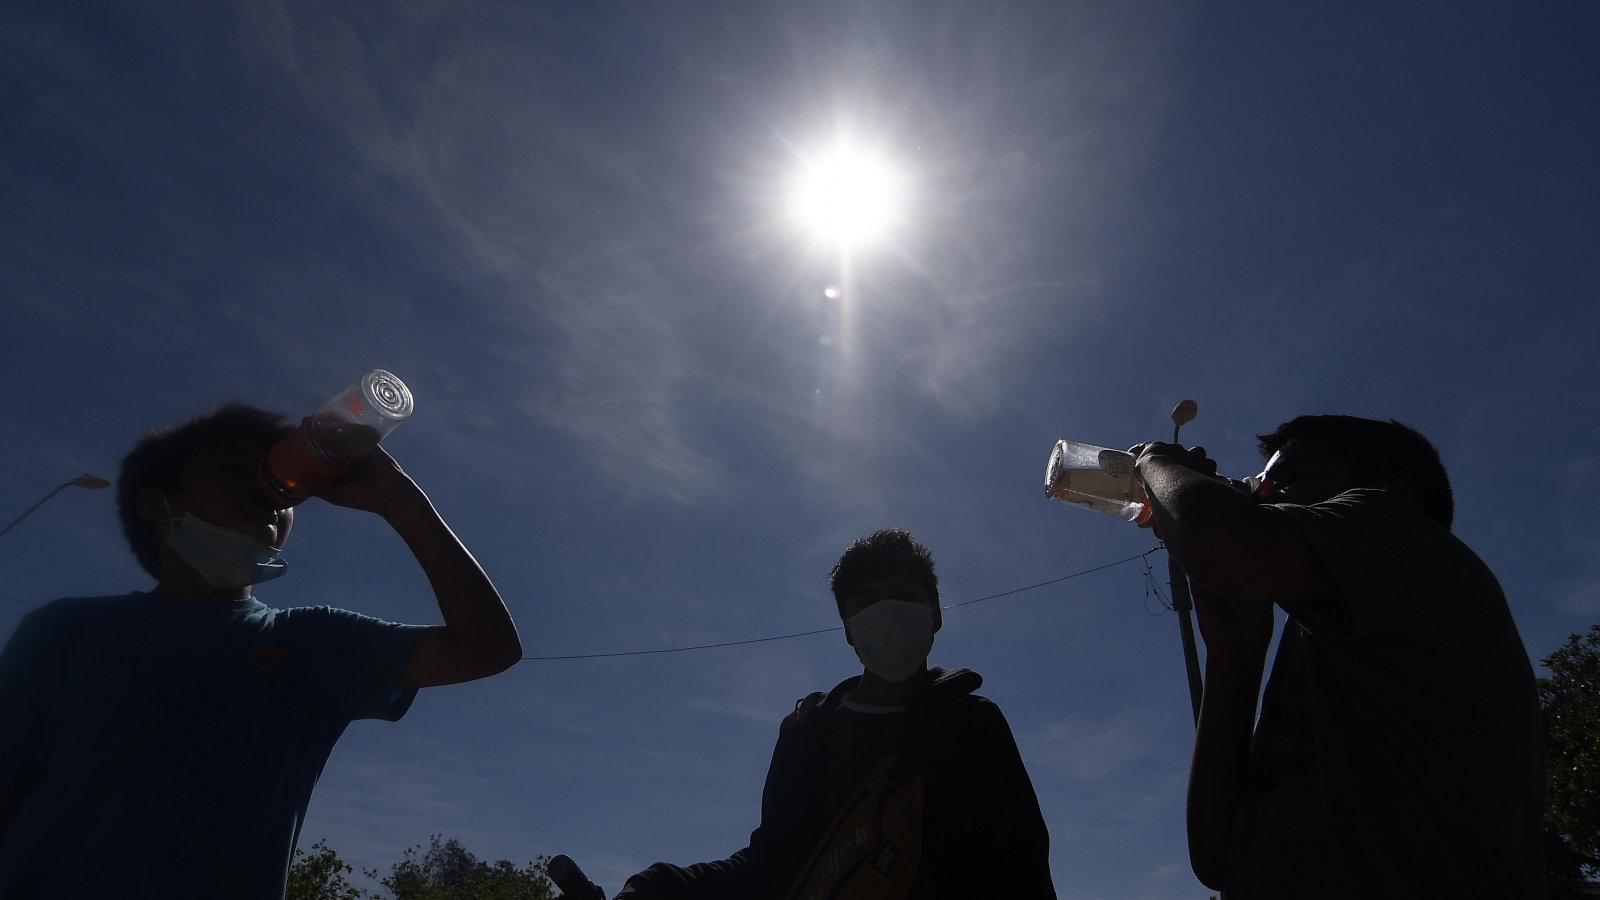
(478, 637)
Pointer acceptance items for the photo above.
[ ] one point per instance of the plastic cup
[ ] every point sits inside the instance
(336, 436)
(1096, 478)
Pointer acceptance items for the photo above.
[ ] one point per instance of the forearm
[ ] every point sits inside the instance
(477, 624)
(1227, 542)
(723, 879)
(1204, 520)
(1221, 761)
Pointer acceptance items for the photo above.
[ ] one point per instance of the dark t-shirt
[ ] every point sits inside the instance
(169, 747)
(1399, 751)
(858, 739)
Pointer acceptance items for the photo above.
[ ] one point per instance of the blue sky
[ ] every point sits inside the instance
(563, 225)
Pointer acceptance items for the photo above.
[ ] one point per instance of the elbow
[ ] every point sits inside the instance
(1209, 878)
(508, 655)
(1210, 872)
(509, 661)
(1209, 844)
(490, 658)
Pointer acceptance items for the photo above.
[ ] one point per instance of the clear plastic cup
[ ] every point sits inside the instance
(336, 436)
(1096, 478)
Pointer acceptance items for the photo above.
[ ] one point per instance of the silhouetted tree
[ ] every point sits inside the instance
(320, 875)
(1570, 699)
(448, 871)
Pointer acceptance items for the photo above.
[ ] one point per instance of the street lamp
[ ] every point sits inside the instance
(86, 481)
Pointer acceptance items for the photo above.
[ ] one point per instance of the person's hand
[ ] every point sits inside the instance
(1159, 453)
(636, 891)
(1175, 454)
(375, 484)
(1239, 629)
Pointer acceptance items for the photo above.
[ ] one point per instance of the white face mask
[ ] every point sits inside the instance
(892, 638)
(224, 558)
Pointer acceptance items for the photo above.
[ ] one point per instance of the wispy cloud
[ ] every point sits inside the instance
(761, 687)
(476, 156)
(1094, 750)
(510, 190)
(1580, 596)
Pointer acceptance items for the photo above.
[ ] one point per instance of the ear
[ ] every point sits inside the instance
(152, 506)
(938, 618)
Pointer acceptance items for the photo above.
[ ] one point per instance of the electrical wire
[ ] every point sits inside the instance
(800, 634)
(1152, 588)
(783, 637)
(20, 600)
(1120, 562)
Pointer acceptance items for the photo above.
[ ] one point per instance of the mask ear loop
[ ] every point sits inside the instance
(171, 519)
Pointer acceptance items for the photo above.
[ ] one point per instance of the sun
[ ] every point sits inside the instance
(848, 196)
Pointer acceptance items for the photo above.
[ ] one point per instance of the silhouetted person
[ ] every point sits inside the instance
(1399, 750)
(165, 743)
(898, 783)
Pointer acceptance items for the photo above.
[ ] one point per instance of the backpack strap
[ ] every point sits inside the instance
(873, 847)
(806, 706)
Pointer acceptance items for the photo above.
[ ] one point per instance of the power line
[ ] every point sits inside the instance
(784, 637)
(781, 637)
(776, 637)
(1041, 584)
(20, 600)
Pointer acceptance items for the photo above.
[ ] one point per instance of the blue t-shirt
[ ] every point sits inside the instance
(169, 747)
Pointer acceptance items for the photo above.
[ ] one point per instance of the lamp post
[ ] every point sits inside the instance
(1182, 604)
(86, 481)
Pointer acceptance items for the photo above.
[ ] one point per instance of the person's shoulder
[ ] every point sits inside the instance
(953, 685)
(322, 616)
(952, 695)
(1371, 497)
(976, 707)
(808, 710)
(73, 608)
(307, 613)
(1378, 519)
(1370, 519)
(805, 711)
(1372, 505)
(323, 626)
(74, 618)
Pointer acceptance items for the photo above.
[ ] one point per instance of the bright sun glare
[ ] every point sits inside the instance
(848, 196)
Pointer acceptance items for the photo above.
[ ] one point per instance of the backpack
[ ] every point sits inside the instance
(873, 848)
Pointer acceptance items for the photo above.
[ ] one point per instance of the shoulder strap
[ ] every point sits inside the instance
(806, 711)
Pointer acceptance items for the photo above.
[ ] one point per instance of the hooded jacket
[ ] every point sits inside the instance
(983, 833)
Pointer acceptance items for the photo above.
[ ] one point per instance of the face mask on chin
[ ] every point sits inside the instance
(892, 638)
(224, 558)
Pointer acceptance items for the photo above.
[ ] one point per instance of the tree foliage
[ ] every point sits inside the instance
(448, 871)
(1570, 699)
(320, 875)
(445, 870)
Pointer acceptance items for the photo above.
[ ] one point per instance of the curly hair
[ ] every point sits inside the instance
(881, 554)
(159, 459)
